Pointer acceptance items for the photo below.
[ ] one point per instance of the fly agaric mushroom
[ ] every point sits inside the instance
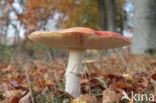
(77, 40)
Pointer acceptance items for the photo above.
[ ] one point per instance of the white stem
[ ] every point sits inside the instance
(74, 68)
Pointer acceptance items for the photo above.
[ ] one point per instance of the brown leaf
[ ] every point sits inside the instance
(121, 85)
(48, 84)
(26, 98)
(153, 81)
(87, 98)
(84, 82)
(15, 99)
(130, 102)
(10, 66)
(5, 101)
(110, 96)
(153, 76)
(2, 97)
(113, 78)
(142, 83)
(3, 66)
(61, 72)
(153, 62)
(12, 93)
(141, 74)
(13, 96)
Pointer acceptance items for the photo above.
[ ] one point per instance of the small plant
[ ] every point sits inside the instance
(43, 99)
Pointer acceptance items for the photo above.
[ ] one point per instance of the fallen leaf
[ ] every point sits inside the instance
(113, 78)
(121, 85)
(142, 83)
(3, 66)
(5, 101)
(153, 62)
(153, 81)
(86, 98)
(43, 83)
(110, 96)
(10, 66)
(141, 74)
(153, 76)
(84, 81)
(130, 102)
(15, 99)
(2, 97)
(13, 96)
(26, 98)
(12, 93)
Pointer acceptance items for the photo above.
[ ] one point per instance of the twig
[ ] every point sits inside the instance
(51, 59)
(29, 83)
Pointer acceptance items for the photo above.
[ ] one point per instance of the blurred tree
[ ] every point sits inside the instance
(108, 14)
(35, 14)
(8, 19)
(112, 14)
(144, 26)
(73, 13)
(69, 13)
(5, 9)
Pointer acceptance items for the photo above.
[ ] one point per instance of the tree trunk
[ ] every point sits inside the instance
(144, 26)
(107, 11)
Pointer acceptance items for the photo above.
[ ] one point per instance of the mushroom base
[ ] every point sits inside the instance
(73, 71)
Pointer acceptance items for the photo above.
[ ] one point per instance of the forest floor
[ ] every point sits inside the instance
(102, 81)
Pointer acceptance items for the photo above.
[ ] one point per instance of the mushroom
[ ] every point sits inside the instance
(77, 40)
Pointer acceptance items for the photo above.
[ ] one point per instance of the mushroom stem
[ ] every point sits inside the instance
(73, 71)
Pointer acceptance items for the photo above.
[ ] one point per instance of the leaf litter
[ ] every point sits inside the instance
(103, 81)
